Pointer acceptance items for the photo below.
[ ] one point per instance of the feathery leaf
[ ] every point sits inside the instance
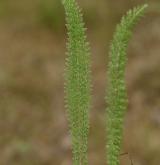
(77, 86)
(116, 91)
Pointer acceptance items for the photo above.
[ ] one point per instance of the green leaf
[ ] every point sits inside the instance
(77, 84)
(116, 92)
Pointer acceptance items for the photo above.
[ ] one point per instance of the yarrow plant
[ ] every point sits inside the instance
(116, 92)
(78, 83)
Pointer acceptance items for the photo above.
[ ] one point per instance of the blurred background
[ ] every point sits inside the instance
(33, 125)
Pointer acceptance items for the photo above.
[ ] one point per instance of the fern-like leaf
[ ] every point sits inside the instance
(77, 85)
(116, 91)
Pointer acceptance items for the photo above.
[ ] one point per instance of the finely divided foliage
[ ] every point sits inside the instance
(116, 91)
(77, 85)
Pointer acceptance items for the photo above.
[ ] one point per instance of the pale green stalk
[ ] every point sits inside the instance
(77, 85)
(116, 91)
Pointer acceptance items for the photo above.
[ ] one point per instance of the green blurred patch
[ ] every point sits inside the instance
(4, 8)
(50, 14)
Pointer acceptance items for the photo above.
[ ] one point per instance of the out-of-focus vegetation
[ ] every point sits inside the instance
(50, 15)
(32, 117)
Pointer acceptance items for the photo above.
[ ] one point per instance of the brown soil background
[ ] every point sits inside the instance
(33, 125)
